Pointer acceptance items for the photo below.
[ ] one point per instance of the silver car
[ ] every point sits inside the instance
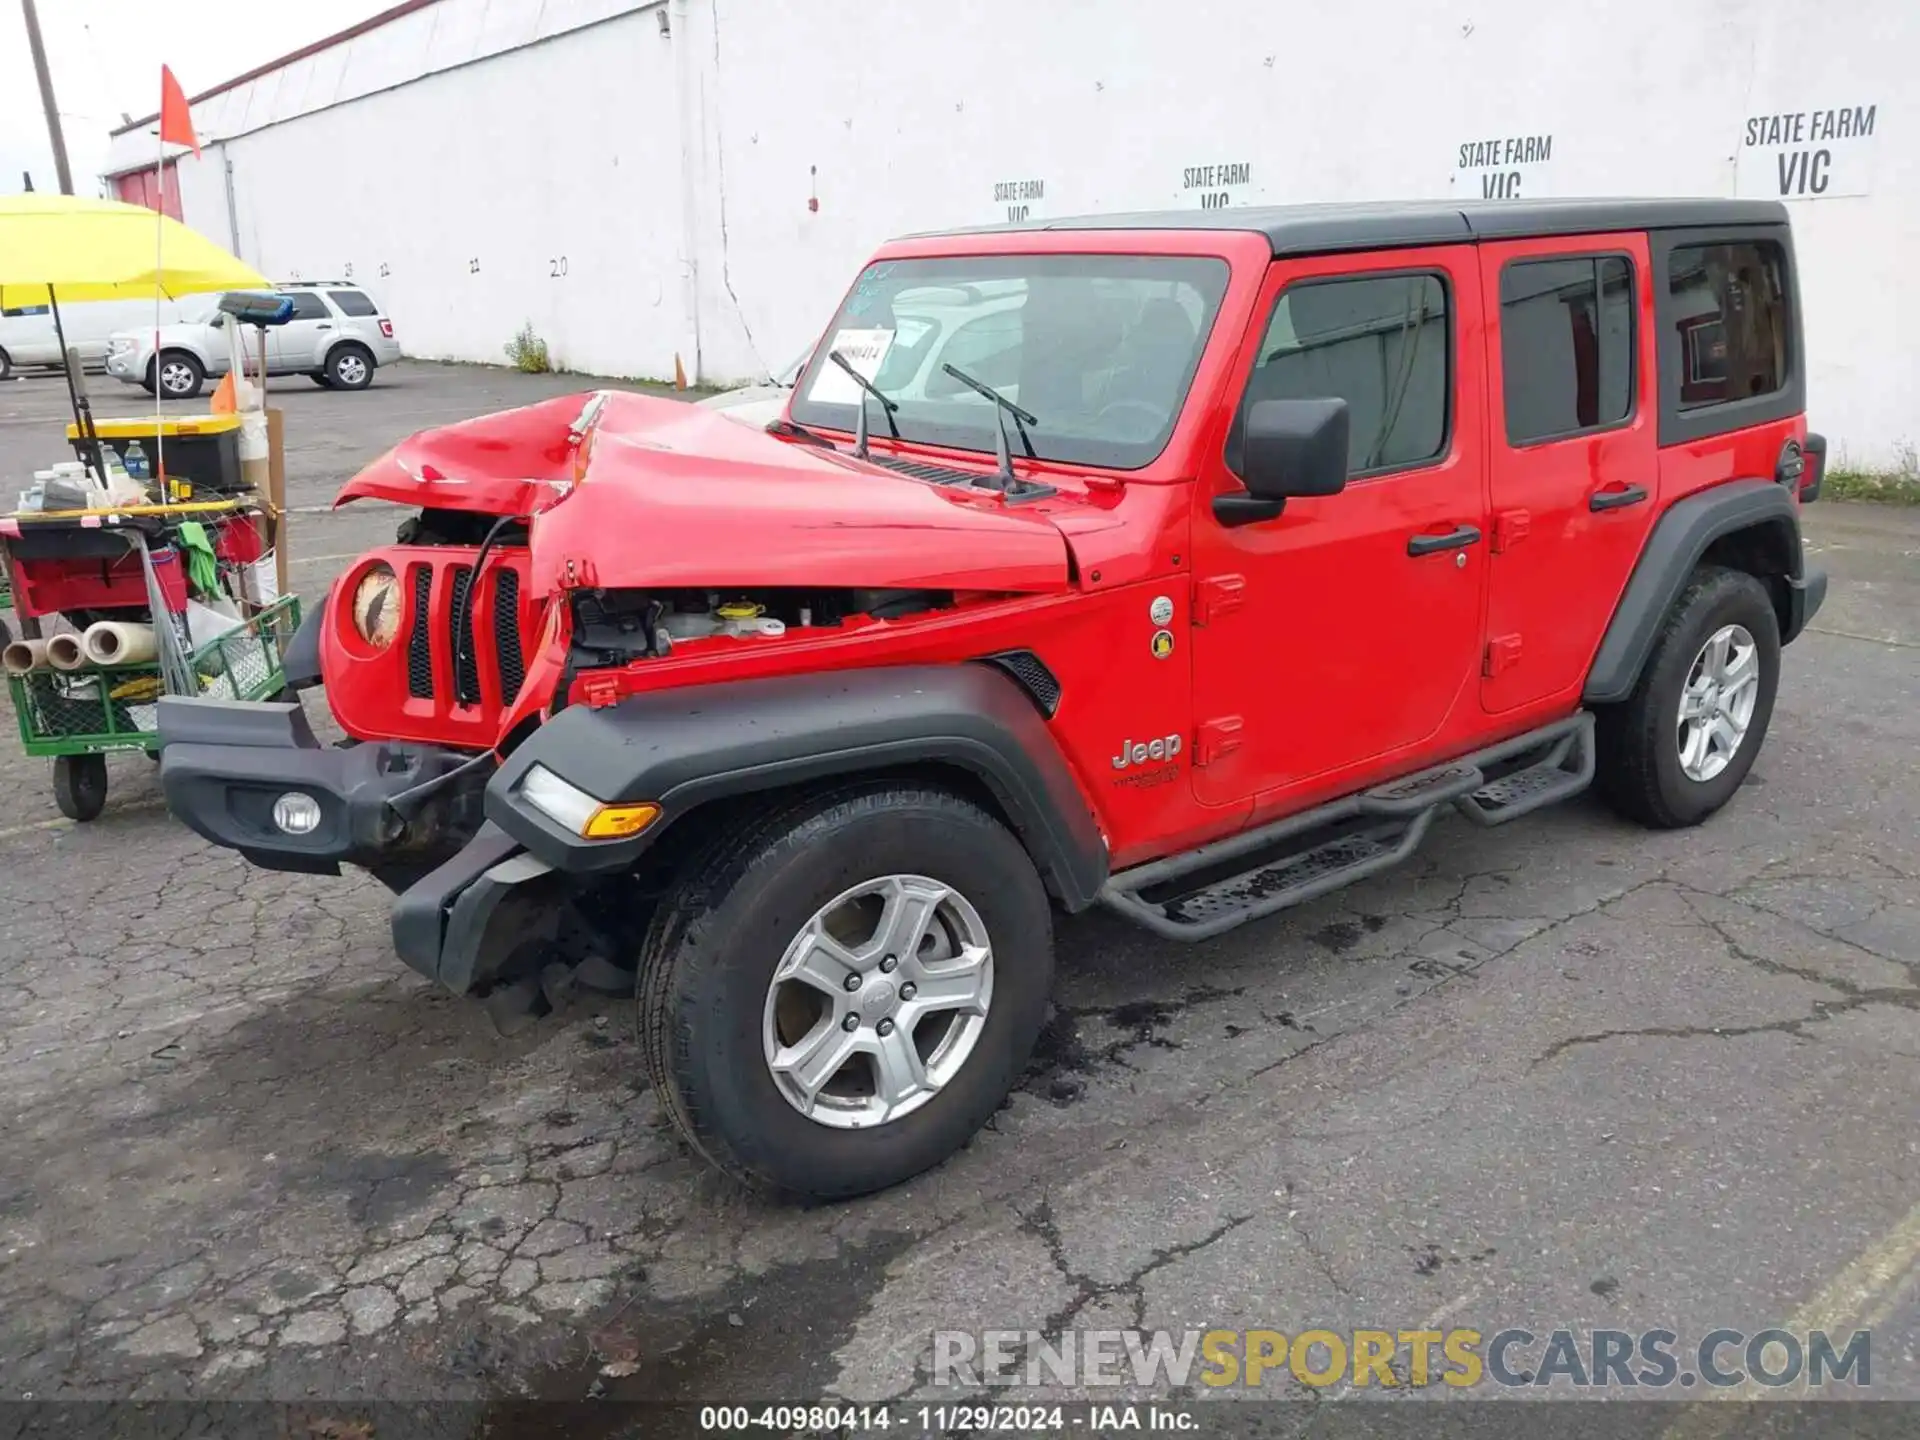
(338, 336)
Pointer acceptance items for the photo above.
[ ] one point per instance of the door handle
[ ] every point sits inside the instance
(1615, 499)
(1452, 540)
(323, 326)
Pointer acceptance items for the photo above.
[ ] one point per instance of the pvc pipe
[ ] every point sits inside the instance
(64, 652)
(118, 642)
(24, 655)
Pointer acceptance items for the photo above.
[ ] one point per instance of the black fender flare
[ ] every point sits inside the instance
(300, 661)
(683, 748)
(1680, 538)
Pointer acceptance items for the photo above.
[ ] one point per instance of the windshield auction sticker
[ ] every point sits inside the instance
(865, 350)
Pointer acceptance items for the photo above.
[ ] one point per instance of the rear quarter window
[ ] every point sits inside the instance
(353, 302)
(1730, 307)
(1730, 332)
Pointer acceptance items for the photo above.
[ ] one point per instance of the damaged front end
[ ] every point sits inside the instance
(576, 553)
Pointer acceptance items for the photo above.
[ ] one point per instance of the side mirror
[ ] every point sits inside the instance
(1290, 447)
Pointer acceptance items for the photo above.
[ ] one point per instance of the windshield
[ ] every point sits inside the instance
(1098, 349)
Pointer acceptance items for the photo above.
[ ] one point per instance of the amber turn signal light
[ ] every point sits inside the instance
(619, 822)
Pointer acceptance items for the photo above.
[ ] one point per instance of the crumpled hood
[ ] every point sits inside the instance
(512, 462)
(634, 491)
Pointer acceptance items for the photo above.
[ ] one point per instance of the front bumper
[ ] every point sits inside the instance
(471, 900)
(122, 366)
(223, 763)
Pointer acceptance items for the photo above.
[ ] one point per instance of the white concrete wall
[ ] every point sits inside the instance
(540, 186)
(913, 122)
(676, 172)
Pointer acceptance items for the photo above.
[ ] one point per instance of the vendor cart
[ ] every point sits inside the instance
(129, 568)
(126, 584)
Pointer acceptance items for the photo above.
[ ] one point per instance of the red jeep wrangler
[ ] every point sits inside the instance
(1186, 564)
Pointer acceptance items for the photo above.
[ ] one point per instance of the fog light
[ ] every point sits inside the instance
(297, 814)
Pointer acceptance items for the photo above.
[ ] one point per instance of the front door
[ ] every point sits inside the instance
(1333, 642)
(299, 344)
(1574, 456)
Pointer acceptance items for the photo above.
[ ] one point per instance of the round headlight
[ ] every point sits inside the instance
(376, 606)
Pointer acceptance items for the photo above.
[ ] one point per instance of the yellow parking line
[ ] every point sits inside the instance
(1897, 1294)
(31, 826)
(1857, 1298)
(1867, 1279)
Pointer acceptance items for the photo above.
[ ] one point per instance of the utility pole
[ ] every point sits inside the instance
(58, 140)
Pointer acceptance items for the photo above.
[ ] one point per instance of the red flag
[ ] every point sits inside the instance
(176, 122)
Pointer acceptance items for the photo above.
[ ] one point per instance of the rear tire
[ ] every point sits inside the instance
(80, 785)
(6, 366)
(713, 1016)
(322, 379)
(349, 367)
(1653, 764)
(178, 375)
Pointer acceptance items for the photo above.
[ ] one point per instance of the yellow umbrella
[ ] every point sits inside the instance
(88, 249)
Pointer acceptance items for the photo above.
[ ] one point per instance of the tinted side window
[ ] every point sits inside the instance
(353, 302)
(1566, 345)
(1729, 305)
(1381, 343)
(309, 306)
(23, 310)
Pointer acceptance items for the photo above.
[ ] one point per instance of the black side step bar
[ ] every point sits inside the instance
(1208, 891)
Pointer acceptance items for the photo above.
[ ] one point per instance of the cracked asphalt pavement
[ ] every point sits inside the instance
(1566, 1073)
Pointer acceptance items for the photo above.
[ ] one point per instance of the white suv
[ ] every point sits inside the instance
(338, 336)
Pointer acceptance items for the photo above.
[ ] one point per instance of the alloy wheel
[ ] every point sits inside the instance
(1716, 703)
(878, 1001)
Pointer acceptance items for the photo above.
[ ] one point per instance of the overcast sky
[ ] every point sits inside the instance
(106, 55)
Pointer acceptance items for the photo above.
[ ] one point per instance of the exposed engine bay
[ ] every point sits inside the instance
(616, 627)
(613, 627)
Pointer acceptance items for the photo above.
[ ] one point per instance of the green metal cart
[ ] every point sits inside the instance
(79, 717)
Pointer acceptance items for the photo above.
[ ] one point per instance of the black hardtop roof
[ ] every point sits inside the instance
(1311, 229)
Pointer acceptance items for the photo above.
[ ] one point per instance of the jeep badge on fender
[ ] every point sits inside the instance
(1139, 752)
(794, 735)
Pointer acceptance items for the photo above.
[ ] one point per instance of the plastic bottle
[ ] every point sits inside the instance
(136, 461)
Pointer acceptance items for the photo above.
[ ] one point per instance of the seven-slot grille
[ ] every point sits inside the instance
(460, 631)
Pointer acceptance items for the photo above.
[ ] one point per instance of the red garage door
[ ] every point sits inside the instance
(137, 188)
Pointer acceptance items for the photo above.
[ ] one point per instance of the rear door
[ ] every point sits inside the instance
(301, 343)
(1574, 460)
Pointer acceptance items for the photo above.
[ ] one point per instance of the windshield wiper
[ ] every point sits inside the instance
(793, 429)
(1003, 408)
(887, 406)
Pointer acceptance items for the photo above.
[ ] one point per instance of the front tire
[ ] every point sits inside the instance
(839, 997)
(1676, 749)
